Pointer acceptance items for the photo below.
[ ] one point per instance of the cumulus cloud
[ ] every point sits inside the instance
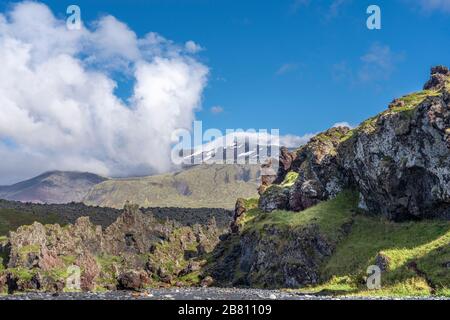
(58, 109)
(192, 47)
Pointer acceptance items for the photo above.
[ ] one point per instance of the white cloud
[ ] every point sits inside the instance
(192, 47)
(376, 65)
(216, 109)
(378, 62)
(57, 101)
(343, 124)
(434, 5)
(293, 141)
(286, 68)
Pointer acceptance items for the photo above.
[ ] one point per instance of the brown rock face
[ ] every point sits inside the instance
(268, 176)
(239, 210)
(320, 176)
(439, 78)
(285, 163)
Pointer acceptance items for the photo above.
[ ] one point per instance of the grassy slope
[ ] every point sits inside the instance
(426, 243)
(213, 186)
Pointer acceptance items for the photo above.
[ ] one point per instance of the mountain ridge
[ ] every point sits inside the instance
(52, 187)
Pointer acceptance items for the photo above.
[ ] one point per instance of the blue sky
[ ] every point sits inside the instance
(293, 65)
(296, 65)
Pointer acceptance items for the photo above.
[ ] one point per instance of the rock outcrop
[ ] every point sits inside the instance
(439, 78)
(399, 160)
(319, 175)
(133, 252)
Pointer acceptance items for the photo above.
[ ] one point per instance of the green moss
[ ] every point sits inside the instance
(68, 260)
(349, 135)
(57, 273)
(192, 278)
(290, 179)
(414, 99)
(251, 203)
(22, 273)
(368, 126)
(23, 251)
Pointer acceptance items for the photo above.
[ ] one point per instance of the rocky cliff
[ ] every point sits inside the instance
(399, 160)
(344, 201)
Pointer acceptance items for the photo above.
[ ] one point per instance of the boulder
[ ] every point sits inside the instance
(132, 280)
(208, 281)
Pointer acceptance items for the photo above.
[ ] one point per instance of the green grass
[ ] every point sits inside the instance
(251, 203)
(426, 243)
(411, 101)
(329, 216)
(10, 220)
(414, 99)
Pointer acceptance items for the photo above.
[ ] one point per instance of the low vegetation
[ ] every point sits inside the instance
(416, 254)
(12, 219)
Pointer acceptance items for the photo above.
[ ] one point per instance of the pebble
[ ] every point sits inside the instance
(192, 294)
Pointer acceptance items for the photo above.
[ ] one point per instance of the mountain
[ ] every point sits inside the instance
(210, 186)
(52, 187)
(237, 147)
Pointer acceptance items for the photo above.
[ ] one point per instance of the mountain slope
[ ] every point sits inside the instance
(212, 186)
(52, 187)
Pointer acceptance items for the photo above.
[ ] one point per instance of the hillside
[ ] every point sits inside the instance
(209, 186)
(327, 249)
(52, 187)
